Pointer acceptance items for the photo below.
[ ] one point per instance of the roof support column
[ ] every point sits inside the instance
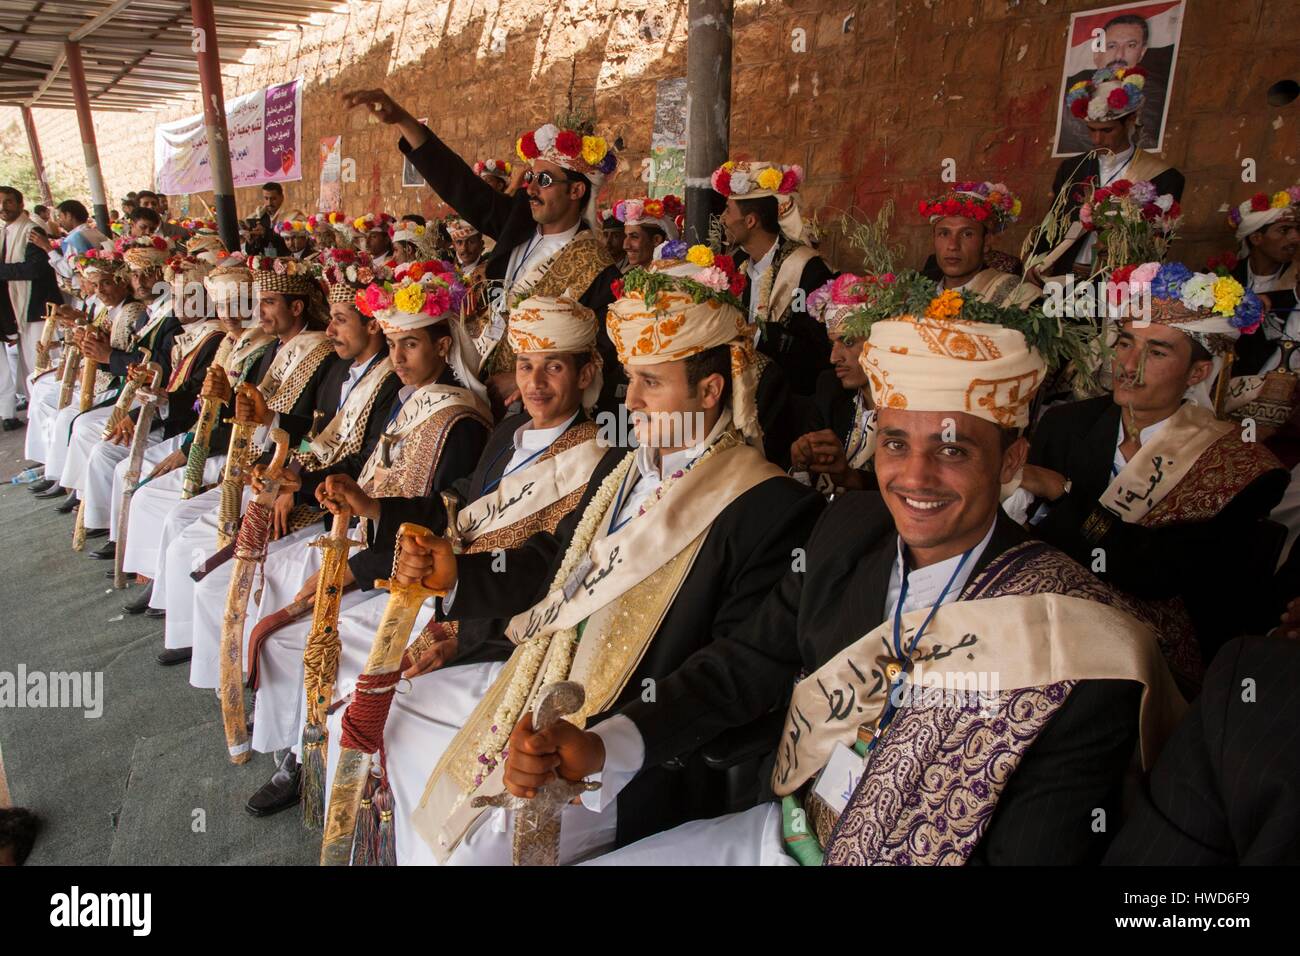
(214, 120)
(708, 108)
(34, 144)
(81, 97)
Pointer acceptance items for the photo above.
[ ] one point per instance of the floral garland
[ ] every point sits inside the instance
(1263, 202)
(741, 178)
(1223, 264)
(638, 210)
(370, 221)
(430, 288)
(1221, 295)
(342, 265)
(571, 144)
(1084, 103)
(491, 747)
(101, 259)
(565, 641)
(194, 225)
(978, 201)
(284, 265)
(289, 227)
(1059, 342)
(718, 278)
(493, 167)
(120, 246)
(325, 219)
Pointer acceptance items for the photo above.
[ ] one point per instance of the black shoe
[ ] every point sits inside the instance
(107, 553)
(155, 612)
(45, 484)
(12, 424)
(174, 655)
(68, 506)
(280, 792)
(53, 492)
(98, 533)
(140, 604)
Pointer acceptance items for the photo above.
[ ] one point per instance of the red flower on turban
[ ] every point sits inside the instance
(569, 143)
(1259, 202)
(528, 145)
(1079, 107)
(1117, 99)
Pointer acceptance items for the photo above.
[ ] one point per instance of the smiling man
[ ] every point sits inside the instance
(874, 766)
(670, 546)
(1147, 478)
(546, 234)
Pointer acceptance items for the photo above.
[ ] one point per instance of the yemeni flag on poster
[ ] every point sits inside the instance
(278, 131)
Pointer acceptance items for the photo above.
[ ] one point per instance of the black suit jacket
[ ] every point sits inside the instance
(1077, 169)
(327, 397)
(799, 345)
(1225, 788)
(1175, 560)
(1253, 350)
(509, 220)
(749, 546)
(34, 268)
(181, 414)
(460, 452)
(1073, 766)
(480, 639)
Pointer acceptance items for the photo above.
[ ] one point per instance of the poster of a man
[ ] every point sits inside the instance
(1128, 35)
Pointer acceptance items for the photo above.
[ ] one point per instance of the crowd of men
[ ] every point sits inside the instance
(904, 567)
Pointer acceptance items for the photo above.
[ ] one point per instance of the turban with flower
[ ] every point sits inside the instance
(992, 204)
(655, 212)
(206, 246)
(1109, 94)
(294, 224)
(543, 323)
(230, 282)
(837, 299)
(1262, 210)
(143, 253)
(673, 310)
(930, 364)
(753, 180)
(460, 229)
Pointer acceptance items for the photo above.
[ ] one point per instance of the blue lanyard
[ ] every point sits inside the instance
(392, 416)
(614, 523)
(343, 397)
(1118, 171)
(491, 486)
(890, 707)
(523, 258)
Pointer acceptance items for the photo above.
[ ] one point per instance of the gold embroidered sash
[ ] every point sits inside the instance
(632, 582)
(564, 468)
(292, 368)
(347, 429)
(186, 349)
(1163, 462)
(991, 645)
(402, 464)
(250, 344)
(1003, 289)
(786, 279)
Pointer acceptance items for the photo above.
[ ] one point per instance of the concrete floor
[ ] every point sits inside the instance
(148, 780)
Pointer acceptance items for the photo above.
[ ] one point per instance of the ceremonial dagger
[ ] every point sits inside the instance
(374, 692)
(250, 551)
(134, 466)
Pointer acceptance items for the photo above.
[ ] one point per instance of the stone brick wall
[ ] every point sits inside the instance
(884, 91)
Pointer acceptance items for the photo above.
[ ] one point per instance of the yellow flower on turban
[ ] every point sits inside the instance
(769, 178)
(519, 149)
(1281, 199)
(594, 149)
(409, 299)
(1227, 293)
(700, 255)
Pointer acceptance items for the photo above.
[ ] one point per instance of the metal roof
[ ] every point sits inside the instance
(137, 53)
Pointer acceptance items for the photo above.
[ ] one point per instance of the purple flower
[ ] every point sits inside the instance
(608, 164)
(1143, 192)
(1169, 280)
(676, 249)
(1248, 314)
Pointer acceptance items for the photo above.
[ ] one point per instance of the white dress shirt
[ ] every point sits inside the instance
(1144, 436)
(756, 270)
(536, 249)
(530, 441)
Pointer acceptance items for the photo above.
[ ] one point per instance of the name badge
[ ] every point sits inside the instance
(840, 777)
(575, 579)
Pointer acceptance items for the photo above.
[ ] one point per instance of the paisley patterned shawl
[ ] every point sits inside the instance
(935, 777)
(574, 266)
(1220, 473)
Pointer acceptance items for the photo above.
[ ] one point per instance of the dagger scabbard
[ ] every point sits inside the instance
(363, 720)
(250, 550)
(135, 465)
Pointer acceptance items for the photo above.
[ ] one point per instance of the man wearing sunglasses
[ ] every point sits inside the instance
(548, 241)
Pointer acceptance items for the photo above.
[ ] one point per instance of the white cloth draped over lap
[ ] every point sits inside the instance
(749, 838)
(87, 430)
(189, 537)
(158, 515)
(41, 409)
(290, 561)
